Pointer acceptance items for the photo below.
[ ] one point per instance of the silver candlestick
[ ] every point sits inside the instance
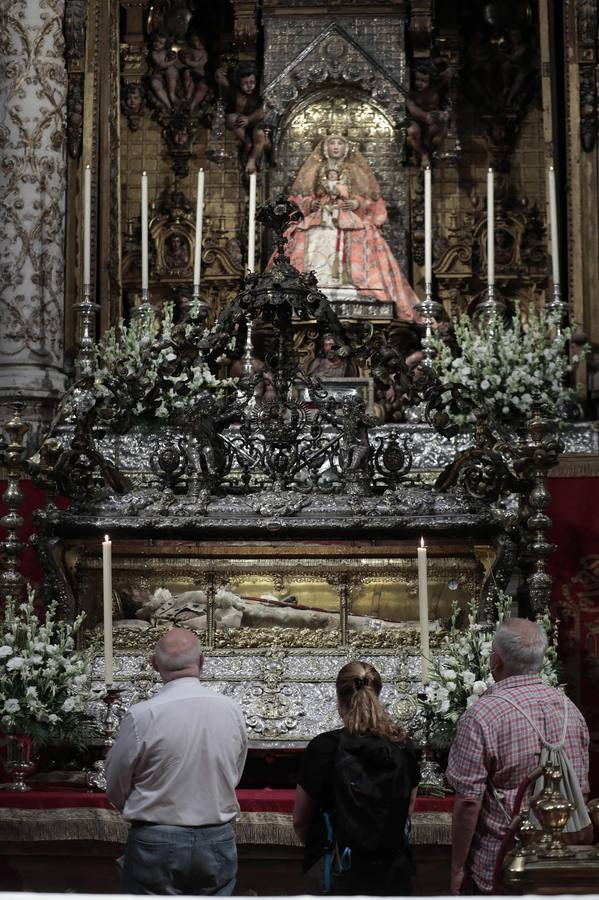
(557, 308)
(487, 310)
(86, 312)
(111, 724)
(199, 307)
(430, 310)
(247, 359)
(145, 309)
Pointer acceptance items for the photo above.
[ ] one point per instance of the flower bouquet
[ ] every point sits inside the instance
(461, 671)
(505, 371)
(45, 683)
(151, 367)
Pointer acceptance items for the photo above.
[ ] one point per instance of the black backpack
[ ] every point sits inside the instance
(372, 786)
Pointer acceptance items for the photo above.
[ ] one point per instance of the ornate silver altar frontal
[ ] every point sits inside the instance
(287, 697)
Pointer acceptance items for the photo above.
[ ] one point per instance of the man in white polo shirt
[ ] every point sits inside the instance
(172, 772)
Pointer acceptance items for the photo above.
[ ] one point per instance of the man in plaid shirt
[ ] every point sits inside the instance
(495, 744)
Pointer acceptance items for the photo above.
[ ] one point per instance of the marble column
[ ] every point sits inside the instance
(33, 90)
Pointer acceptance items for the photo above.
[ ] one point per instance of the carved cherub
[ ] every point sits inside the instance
(515, 66)
(194, 57)
(164, 70)
(132, 104)
(245, 112)
(426, 106)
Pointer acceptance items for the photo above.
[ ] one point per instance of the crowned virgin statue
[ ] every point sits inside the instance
(339, 238)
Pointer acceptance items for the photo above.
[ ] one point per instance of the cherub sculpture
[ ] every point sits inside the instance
(427, 106)
(245, 113)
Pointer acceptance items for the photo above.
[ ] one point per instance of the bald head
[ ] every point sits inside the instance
(519, 648)
(178, 654)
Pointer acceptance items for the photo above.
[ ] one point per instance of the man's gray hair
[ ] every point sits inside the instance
(175, 662)
(522, 649)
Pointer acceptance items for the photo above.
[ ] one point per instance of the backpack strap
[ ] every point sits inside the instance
(327, 882)
(556, 755)
(548, 746)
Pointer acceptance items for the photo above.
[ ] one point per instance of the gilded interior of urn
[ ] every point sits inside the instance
(278, 596)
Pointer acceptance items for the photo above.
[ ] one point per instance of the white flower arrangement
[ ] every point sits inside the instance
(45, 683)
(138, 369)
(461, 673)
(505, 371)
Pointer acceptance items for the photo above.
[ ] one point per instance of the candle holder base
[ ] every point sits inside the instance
(96, 779)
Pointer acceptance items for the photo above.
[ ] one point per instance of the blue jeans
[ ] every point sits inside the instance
(174, 859)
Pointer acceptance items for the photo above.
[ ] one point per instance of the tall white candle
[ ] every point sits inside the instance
(107, 607)
(199, 225)
(144, 232)
(423, 609)
(554, 226)
(490, 228)
(87, 224)
(252, 225)
(428, 232)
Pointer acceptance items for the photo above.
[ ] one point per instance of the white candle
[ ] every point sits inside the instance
(553, 224)
(428, 233)
(199, 224)
(87, 224)
(144, 232)
(107, 607)
(252, 225)
(490, 228)
(423, 609)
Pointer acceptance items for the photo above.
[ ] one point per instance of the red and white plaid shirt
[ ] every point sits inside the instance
(495, 743)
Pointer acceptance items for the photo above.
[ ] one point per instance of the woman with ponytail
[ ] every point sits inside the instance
(356, 790)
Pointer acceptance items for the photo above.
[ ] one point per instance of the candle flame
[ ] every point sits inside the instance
(490, 169)
(88, 166)
(106, 538)
(422, 542)
(144, 174)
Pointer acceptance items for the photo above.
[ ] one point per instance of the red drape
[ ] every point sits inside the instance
(574, 565)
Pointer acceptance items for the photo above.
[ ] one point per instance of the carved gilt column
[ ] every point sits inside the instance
(33, 90)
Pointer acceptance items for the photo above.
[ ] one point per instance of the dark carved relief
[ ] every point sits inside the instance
(75, 115)
(172, 80)
(586, 15)
(74, 30)
(74, 38)
(500, 71)
(520, 245)
(179, 132)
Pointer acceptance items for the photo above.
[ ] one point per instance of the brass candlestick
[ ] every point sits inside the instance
(553, 812)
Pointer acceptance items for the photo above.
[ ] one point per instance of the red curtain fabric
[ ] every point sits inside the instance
(574, 565)
(264, 800)
(33, 499)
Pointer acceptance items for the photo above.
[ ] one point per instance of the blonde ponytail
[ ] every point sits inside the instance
(358, 687)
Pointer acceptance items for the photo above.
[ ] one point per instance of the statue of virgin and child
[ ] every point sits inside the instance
(340, 238)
